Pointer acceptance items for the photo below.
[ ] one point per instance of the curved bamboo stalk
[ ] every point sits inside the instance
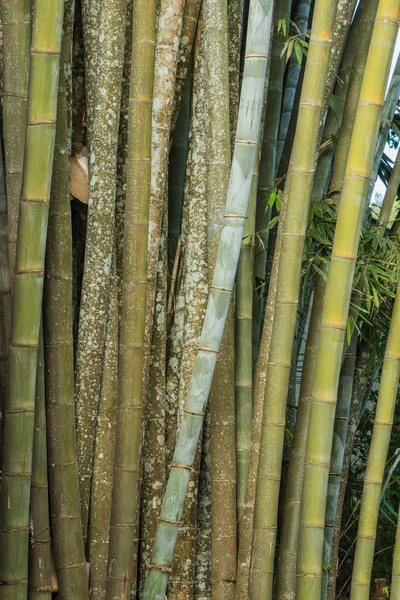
(103, 136)
(286, 571)
(131, 352)
(39, 553)
(301, 174)
(267, 166)
(58, 337)
(16, 28)
(222, 395)
(292, 78)
(390, 197)
(258, 36)
(103, 461)
(395, 587)
(28, 288)
(374, 474)
(337, 299)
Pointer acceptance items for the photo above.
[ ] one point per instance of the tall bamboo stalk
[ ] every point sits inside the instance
(374, 474)
(395, 587)
(258, 35)
(222, 397)
(286, 570)
(16, 27)
(131, 352)
(5, 292)
(39, 553)
(99, 239)
(390, 197)
(59, 352)
(28, 288)
(337, 300)
(301, 174)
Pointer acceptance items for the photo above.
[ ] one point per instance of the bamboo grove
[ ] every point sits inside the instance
(200, 299)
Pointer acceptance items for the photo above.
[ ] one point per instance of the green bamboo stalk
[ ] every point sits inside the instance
(286, 568)
(390, 197)
(222, 395)
(131, 353)
(337, 299)
(39, 552)
(103, 137)
(28, 287)
(395, 587)
(292, 78)
(16, 28)
(337, 457)
(59, 352)
(301, 174)
(258, 36)
(154, 472)
(103, 461)
(267, 165)
(374, 474)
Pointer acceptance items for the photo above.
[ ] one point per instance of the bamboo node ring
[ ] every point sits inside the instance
(169, 521)
(160, 568)
(205, 349)
(192, 412)
(177, 466)
(221, 289)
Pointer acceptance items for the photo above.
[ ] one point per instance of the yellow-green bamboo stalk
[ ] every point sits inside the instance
(16, 28)
(395, 587)
(28, 288)
(39, 552)
(337, 300)
(258, 35)
(131, 354)
(390, 197)
(65, 515)
(301, 174)
(374, 474)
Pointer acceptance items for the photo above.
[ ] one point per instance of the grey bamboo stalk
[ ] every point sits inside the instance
(267, 166)
(91, 14)
(390, 197)
(103, 461)
(338, 448)
(374, 474)
(395, 588)
(5, 291)
(222, 394)
(195, 302)
(16, 27)
(301, 174)
(39, 553)
(286, 569)
(133, 305)
(99, 240)
(235, 31)
(28, 288)
(292, 78)
(337, 300)
(154, 472)
(58, 337)
(257, 46)
(243, 355)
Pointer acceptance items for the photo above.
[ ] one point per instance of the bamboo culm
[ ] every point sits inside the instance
(390, 197)
(257, 46)
(337, 300)
(27, 300)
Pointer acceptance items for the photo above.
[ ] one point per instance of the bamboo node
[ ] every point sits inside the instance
(205, 349)
(169, 521)
(178, 466)
(234, 216)
(192, 412)
(221, 289)
(315, 463)
(160, 568)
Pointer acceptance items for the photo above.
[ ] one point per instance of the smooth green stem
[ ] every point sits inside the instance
(390, 197)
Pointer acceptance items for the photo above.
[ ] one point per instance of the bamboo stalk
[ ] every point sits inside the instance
(395, 587)
(16, 28)
(103, 461)
(133, 305)
(371, 497)
(65, 515)
(301, 174)
(39, 552)
(337, 301)
(389, 198)
(235, 32)
(222, 396)
(238, 195)
(28, 287)
(103, 136)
